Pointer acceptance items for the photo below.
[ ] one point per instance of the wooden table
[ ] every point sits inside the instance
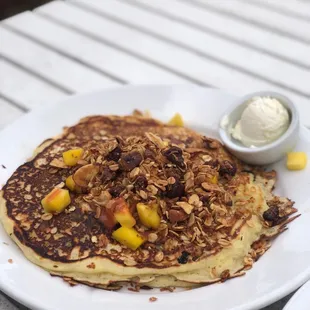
(68, 47)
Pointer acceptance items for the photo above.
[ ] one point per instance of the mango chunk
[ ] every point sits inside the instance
(122, 213)
(128, 237)
(71, 157)
(148, 215)
(214, 179)
(296, 160)
(176, 120)
(72, 185)
(56, 201)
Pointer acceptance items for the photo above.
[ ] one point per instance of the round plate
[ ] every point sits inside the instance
(301, 300)
(280, 271)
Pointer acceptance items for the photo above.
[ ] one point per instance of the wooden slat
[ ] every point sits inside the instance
(50, 65)
(249, 61)
(231, 29)
(8, 113)
(145, 45)
(25, 89)
(290, 7)
(262, 17)
(159, 51)
(95, 54)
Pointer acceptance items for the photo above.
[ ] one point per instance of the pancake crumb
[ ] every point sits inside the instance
(10, 261)
(153, 299)
(4, 167)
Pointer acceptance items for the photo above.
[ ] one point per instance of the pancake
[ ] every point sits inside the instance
(217, 215)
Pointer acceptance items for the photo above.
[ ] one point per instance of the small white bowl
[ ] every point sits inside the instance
(269, 153)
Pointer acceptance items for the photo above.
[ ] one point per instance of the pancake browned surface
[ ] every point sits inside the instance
(216, 217)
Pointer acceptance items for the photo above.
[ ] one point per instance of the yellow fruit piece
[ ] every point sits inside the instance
(56, 201)
(148, 215)
(214, 180)
(71, 157)
(122, 213)
(70, 183)
(128, 237)
(177, 120)
(296, 160)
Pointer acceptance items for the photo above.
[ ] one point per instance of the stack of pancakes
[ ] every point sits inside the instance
(217, 216)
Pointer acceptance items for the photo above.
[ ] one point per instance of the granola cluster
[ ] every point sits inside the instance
(192, 186)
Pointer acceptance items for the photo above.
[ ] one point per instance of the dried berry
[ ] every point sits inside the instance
(205, 199)
(107, 175)
(115, 155)
(183, 259)
(227, 168)
(175, 190)
(116, 190)
(140, 183)
(272, 214)
(212, 163)
(149, 154)
(175, 155)
(131, 160)
(174, 172)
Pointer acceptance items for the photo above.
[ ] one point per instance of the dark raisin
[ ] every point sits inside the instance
(212, 163)
(131, 160)
(175, 190)
(175, 155)
(149, 154)
(107, 175)
(183, 259)
(227, 168)
(115, 155)
(272, 214)
(173, 172)
(140, 183)
(116, 190)
(205, 199)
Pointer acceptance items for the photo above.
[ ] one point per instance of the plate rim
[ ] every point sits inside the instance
(257, 303)
(300, 292)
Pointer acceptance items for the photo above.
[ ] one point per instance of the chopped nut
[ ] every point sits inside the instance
(211, 187)
(194, 200)
(152, 299)
(134, 172)
(85, 174)
(188, 208)
(58, 163)
(94, 239)
(46, 216)
(171, 180)
(54, 230)
(152, 237)
(176, 216)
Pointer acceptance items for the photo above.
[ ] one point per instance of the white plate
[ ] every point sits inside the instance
(281, 270)
(301, 300)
